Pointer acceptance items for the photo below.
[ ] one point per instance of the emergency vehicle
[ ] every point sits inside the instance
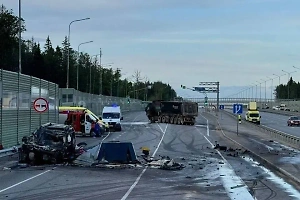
(81, 122)
(64, 110)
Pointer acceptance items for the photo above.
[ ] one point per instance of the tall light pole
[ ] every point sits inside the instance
(255, 92)
(289, 75)
(101, 75)
(265, 89)
(259, 91)
(68, 60)
(100, 69)
(271, 87)
(78, 61)
(278, 83)
(20, 39)
(91, 72)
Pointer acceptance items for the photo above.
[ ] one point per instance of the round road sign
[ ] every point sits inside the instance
(40, 105)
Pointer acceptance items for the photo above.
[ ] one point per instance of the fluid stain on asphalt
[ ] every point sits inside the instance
(288, 188)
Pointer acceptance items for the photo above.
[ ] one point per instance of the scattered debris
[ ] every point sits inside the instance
(166, 164)
(222, 148)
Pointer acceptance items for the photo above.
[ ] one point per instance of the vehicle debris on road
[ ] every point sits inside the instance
(50, 144)
(122, 155)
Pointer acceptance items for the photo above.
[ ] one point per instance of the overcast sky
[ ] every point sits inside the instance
(178, 42)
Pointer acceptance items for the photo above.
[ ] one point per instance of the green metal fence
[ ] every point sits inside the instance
(18, 92)
(18, 117)
(95, 103)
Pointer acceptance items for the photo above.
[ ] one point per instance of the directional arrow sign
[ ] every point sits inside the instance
(237, 108)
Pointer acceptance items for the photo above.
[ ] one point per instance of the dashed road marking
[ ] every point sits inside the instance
(234, 180)
(26, 180)
(144, 170)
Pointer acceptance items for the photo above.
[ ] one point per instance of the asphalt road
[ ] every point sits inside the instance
(208, 173)
(279, 122)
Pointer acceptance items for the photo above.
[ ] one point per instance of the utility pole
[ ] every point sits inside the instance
(100, 78)
(20, 39)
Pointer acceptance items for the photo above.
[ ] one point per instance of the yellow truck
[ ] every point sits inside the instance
(252, 114)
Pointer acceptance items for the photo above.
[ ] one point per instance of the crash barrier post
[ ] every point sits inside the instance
(18, 116)
(95, 103)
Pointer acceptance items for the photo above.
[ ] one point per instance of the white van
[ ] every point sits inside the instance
(113, 116)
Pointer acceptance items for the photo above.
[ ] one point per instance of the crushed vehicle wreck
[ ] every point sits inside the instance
(50, 144)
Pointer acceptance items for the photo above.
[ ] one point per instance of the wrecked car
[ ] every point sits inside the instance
(50, 144)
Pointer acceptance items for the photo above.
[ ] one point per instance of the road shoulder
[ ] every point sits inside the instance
(275, 156)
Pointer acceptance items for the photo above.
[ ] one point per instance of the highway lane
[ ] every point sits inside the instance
(279, 122)
(207, 174)
(276, 121)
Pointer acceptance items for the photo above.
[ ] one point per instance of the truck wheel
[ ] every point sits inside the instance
(159, 119)
(171, 120)
(163, 119)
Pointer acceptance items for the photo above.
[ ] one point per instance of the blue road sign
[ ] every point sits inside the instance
(237, 108)
(221, 107)
(199, 89)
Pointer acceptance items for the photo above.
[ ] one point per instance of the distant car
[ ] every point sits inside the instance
(293, 121)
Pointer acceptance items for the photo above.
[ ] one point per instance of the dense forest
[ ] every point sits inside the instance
(291, 90)
(50, 63)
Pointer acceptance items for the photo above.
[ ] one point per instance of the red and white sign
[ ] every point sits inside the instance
(40, 105)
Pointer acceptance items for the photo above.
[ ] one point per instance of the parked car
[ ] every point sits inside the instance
(293, 121)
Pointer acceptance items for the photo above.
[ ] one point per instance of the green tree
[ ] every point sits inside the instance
(9, 30)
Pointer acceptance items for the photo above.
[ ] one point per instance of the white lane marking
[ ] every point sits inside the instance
(267, 146)
(207, 125)
(240, 192)
(199, 125)
(12, 186)
(144, 170)
(134, 123)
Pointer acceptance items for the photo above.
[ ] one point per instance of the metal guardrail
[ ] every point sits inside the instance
(9, 151)
(281, 112)
(285, 137)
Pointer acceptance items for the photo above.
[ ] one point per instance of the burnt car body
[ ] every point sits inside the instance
(51, 143)
(293, 121)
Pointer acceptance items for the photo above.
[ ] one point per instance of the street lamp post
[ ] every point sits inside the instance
(101, 74)
(78, 61)
(278, 84)
(289, 75)
(265, 89)
(20, 39)
(68, 60)
(91, 72)
(271, 87)
(256, 92)
(259, 92)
